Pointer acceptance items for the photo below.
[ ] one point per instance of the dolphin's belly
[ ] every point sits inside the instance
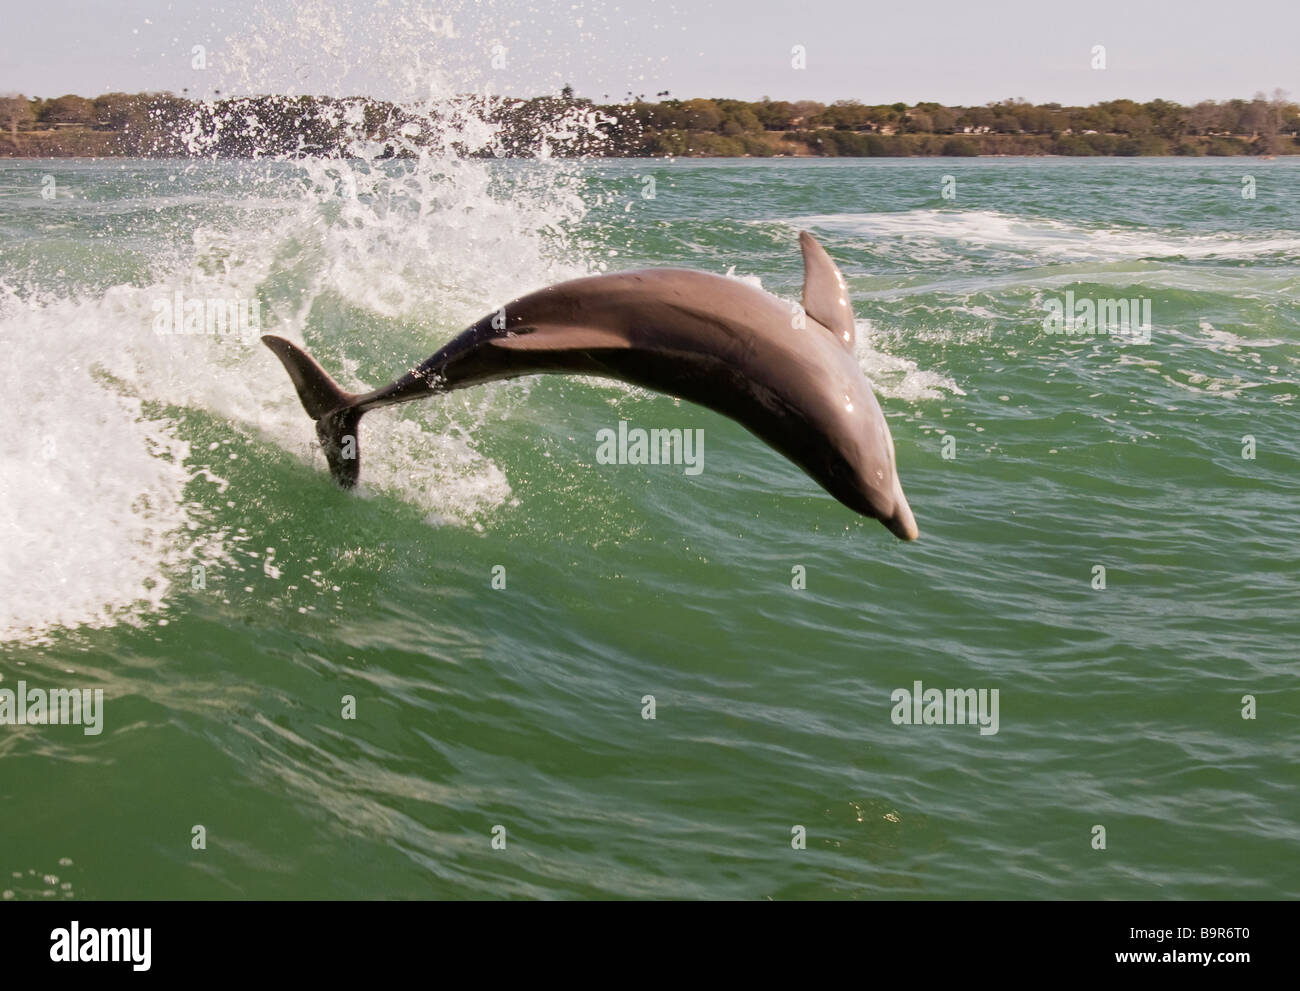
(722, 387)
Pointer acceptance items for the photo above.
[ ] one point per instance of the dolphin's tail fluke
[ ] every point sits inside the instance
(336, 412)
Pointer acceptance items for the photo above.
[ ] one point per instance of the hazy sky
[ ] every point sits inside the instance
(952, 52)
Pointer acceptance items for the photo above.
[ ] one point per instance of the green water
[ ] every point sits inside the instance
(131, 459)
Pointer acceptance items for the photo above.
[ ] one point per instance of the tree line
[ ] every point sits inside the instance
(163, 124)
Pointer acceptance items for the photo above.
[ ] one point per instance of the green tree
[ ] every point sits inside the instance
(943, 120)
(15, 112)
(774, 115)
(69, 109)
(1168, 119)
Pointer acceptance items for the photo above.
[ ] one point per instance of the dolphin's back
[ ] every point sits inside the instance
(708, 339)
(665, 328)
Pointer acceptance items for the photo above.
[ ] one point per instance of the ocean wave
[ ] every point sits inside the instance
(932, 233)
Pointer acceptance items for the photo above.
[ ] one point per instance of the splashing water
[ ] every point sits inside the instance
(348, 254)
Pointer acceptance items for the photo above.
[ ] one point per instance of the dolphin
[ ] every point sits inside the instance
(787, 374)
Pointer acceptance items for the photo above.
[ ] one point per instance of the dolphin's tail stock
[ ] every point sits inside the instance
(336, 412)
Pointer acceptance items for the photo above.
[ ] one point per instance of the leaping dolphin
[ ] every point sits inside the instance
(787, 375)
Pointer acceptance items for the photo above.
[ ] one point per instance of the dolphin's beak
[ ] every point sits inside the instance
(902, 524)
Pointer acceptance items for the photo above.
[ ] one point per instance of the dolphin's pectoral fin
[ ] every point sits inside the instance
(825, 296)
(559, 337)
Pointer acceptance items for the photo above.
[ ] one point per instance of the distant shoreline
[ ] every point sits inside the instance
(162, 125)
(675, 158)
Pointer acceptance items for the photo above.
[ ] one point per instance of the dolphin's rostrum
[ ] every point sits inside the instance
(789, 376)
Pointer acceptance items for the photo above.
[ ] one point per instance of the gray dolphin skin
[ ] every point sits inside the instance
(789, 376)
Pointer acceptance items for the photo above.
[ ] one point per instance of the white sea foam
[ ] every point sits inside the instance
(930, 233)
(93, 512)
(893, 377)
(103, 498)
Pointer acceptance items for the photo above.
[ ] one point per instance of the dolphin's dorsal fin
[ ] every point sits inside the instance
(825, 296)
